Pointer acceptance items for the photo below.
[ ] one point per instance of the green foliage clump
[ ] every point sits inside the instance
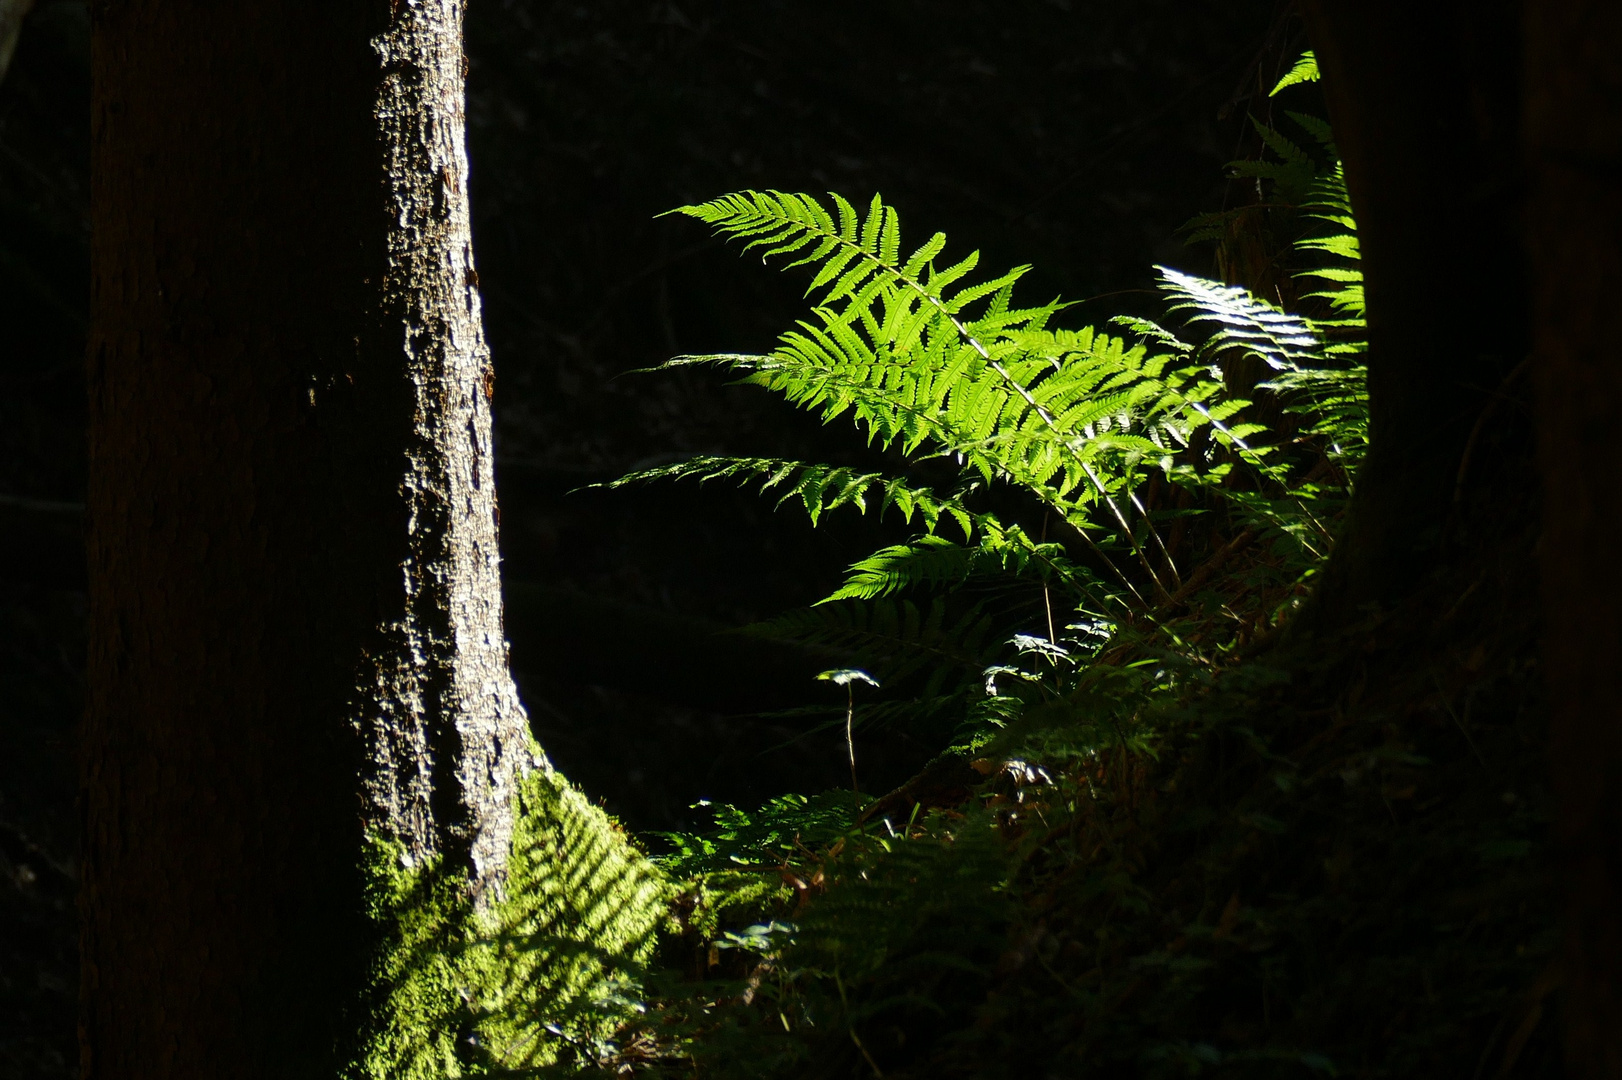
(854, 924)
(1164, 838)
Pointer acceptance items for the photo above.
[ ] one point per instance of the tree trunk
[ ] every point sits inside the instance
(1434, 111)
(1574, 227)
(1424, 110)
(447, 737)
(295, 630)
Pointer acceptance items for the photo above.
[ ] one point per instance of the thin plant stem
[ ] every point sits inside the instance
(850, 739)
(1047, 595)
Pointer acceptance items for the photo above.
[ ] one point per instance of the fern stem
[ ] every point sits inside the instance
(1171, 564)
(1127, 529)
(850, 738)
(1143, 605)
(1047, 595)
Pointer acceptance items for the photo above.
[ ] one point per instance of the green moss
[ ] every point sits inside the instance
(543, 977)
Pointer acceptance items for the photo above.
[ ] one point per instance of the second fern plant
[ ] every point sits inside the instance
(1117, 437)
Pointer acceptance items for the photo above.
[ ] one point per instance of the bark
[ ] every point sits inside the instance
(1574, 227)
(1423, 104)
(295, 629)
(441, 691)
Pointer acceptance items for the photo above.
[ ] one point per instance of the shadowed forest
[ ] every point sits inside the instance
(1277, 811)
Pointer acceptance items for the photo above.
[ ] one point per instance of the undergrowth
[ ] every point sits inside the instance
(1164, 836)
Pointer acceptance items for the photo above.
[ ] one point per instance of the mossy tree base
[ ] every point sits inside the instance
(542, 976)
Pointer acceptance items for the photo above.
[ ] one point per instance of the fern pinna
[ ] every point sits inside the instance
(1118, 435)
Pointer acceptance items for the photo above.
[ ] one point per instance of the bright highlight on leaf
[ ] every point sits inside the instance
(847, 676)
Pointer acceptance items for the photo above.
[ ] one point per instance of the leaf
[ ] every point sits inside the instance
(1304, 71)
(847, 676)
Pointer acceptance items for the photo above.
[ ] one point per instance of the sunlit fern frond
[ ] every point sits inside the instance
(915, 353)
(1334, 396)
(1331, 204)
(931, 362)
(821, 488)
(1304, 71)
(1243, 322)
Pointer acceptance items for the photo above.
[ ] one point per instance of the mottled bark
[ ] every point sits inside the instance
(1574, 228)
(296, 621)
(441, 693)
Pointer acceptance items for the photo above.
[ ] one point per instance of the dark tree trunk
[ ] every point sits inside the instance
(1424, 107)
(295, 616)
(1574, 227)
(1475, 136)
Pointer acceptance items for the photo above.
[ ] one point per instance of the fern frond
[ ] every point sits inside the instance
(894, 346)
(929, 561)
(821, 488)
(1330, 201)
(929, 361)
(1336, 404)
(1244, 321)
(1293, 174)
(1344, 245)
(1319, 129)
(1090, 381)
(1304, 71)
(937, 563)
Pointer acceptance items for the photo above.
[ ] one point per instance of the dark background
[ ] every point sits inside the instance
(1074, 136)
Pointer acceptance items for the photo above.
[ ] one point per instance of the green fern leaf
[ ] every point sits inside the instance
(822, 488)
(1304, 71)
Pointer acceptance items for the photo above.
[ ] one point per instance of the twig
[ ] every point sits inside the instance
(871, 1063)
